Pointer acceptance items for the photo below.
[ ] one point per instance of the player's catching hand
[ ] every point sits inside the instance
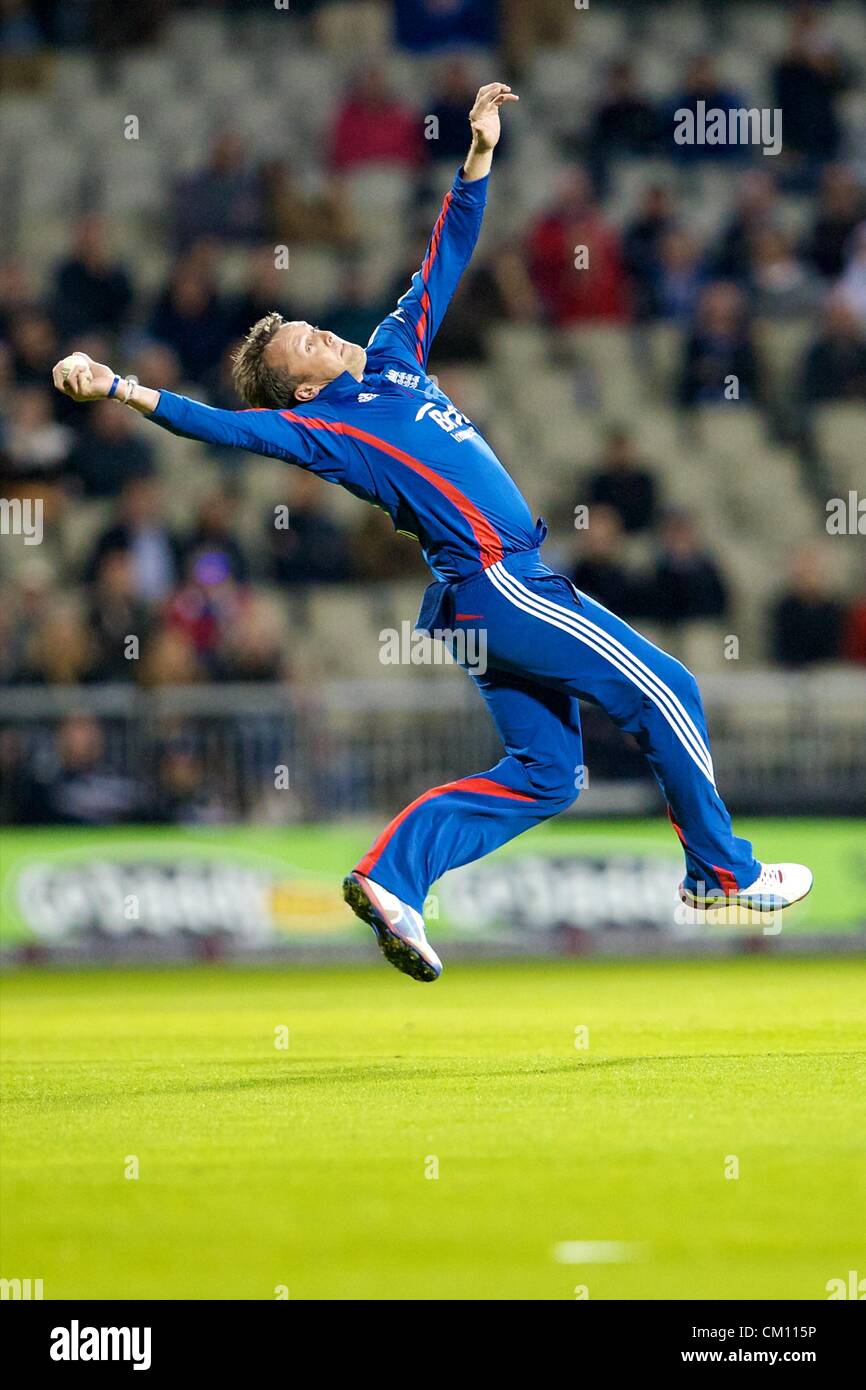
(484, 116)
(81, 378)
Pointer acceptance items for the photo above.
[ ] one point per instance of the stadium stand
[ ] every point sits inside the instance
(182, 146)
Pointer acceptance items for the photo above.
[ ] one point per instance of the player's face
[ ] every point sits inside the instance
(316, 355)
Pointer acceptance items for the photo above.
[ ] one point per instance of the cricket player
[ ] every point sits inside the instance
(373, 421)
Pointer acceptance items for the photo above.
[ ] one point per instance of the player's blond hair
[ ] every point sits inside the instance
(256, 381)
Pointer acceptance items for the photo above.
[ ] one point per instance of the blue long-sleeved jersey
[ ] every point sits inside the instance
(394, 439)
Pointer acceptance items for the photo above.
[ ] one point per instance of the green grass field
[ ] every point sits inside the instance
(305, 1166)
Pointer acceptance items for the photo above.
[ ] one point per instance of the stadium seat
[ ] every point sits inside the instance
(840, 431)
(78, 530)
(601, 31)
(345, 634)
(605, 357)
(781, 345)
(758, 28)
(731, 431)
(313, 278)
(351, 30)
(198, 38)
(701, 646)
(52, 182)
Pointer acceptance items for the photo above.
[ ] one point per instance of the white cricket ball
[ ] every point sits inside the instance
(76, 359)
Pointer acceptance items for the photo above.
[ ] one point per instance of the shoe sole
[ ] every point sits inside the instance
(396, 949)
(764, 903)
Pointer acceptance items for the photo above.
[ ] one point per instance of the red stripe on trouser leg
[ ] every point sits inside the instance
(681, 836)
(484, 785)
(727, 880)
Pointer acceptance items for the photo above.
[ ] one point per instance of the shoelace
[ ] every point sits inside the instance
(769, 875)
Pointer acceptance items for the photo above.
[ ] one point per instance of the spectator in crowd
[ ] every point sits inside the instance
(378, 554)
(16, 292)
(59, 649)
(71, 782)
(353, 314)
(20, 31)
(834, 367)
(295, 216)
(641, 248)
(495, 288)
(374, 127)
(854, 634)
(207, 606)
(599, 571)
(779, 285)
(141, 529)
(624, 124)
(255, 649)
(170, 658)
(110, 452)
(190, 318)
(183, 794)
(527, 28)
(806, 85)
(687, 583)
(841, 206)
(35, 445)
(92, 293)
(34, 347)
(214, 533)
(23, 606)
(222, 200)
(719, 361)
(114, 616)
(679, 276)
(851, 288)
(425, 26)
(806, 621)
(152, 361)
(702, 85)
(756, 208)
(570, 292)
(266, 289)
(624, 484)
(305, 546)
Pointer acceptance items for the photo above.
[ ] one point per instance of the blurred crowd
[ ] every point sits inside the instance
(193, 594)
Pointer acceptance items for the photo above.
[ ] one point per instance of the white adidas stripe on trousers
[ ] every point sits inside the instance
(577, 625)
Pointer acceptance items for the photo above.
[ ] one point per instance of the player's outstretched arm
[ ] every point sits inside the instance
(408, 331)
(486, 129)
(268, 432)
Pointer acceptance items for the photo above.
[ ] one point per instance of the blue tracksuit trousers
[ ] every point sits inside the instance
(546, 647)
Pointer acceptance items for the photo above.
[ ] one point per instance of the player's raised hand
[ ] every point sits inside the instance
(81, 378)
(484, 116)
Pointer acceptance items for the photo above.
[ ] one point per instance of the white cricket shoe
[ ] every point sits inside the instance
(777, 885)
(399, 928)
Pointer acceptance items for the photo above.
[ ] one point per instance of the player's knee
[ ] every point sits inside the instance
(683, 684)
(555, 787)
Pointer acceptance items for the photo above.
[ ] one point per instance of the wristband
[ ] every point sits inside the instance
(114, 386)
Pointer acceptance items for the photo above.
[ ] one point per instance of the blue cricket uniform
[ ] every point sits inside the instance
(396, 440)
